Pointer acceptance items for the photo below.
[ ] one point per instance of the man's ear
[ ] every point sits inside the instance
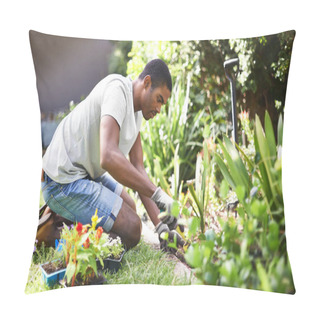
(147, 82)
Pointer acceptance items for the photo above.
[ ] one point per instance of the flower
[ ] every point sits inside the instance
(99, 233)
(86, 245)
(94, 219)
(79, 228)
(244, 115)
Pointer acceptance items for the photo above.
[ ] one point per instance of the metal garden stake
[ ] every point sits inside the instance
(231, 76)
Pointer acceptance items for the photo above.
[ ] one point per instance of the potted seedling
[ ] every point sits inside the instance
(83, 251)
(53, 271)
(87, 250)
(111, 253)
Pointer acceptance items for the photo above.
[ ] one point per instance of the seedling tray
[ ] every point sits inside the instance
(52, 278)
(111, 265)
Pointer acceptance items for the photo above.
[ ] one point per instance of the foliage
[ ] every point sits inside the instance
(119, 58)
(199, 195)
(250, 251)
(169, 143)
(264, 65)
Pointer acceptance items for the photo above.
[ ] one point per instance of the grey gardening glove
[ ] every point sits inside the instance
(164, 203)
(162, 200)
(167, 236)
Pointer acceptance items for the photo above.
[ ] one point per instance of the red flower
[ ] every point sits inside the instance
(99, 233)
(79, 228)
(86, 245)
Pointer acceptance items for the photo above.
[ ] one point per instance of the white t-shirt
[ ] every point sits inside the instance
(74, 151)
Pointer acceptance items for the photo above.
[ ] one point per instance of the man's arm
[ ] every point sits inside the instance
(113, 161)
(136, 158)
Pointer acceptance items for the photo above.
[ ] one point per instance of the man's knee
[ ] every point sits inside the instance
(134, 235)
(128, 200)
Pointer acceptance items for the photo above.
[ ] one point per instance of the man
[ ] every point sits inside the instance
(86, 162)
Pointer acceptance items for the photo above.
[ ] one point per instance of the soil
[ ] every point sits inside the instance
(99, 279)
(53, 266)
(181, 268)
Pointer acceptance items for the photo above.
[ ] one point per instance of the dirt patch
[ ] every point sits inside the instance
(181, 268)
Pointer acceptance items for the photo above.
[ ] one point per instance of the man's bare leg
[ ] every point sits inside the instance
(127, 226)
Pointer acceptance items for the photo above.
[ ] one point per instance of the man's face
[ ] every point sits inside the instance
(153, 99)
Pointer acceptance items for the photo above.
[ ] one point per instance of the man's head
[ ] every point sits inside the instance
(159, 73)
(152, 89)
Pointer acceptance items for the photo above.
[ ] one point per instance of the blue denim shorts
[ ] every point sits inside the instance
(78, 201)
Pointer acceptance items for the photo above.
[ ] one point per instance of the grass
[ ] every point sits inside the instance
(141, 265)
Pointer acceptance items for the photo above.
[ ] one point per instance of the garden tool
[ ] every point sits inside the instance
(231, 76)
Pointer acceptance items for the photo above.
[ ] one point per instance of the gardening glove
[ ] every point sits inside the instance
(164, 203)
(167, 236)
(162, 200)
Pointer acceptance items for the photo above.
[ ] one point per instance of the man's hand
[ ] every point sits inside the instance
(164, 203)
(162, 200)
(167, 236)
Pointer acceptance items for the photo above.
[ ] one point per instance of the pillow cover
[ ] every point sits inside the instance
(215, 148)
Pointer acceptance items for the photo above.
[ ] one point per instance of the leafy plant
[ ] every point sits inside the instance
(249, 251)
(198, 187)
(171, 138)
(82, 246)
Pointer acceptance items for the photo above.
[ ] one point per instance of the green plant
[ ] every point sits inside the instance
(110, 248)
(82, 246)
(250, 251)
(171, 138)
(198, 188)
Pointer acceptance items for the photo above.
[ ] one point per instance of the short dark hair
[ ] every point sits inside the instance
(159, 73)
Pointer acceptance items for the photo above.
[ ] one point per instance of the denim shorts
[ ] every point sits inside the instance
(78, 201)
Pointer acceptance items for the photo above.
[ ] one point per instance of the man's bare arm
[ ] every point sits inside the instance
(113, 161)
(136, 158)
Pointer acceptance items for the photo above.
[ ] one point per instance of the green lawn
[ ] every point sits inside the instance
(141, 265)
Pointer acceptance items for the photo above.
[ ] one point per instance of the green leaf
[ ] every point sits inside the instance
(273, 236)
(270, 136)
(225, 171)
(241, 192)
(258, 208)
(237, 169)
(193, 256)
(196, 200)
(83, 255)
(93, 264)
(185, 212)
(206, 132)
(265, 162)
(280, 130)
(262, 274)
(175, 209)
(83, 239)
(71, 269)
(240, 211)
(224, 189)
(193, 225)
